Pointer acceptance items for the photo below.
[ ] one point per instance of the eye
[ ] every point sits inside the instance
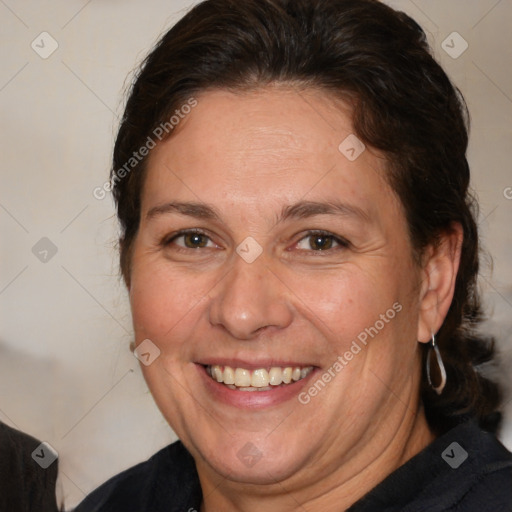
(190, 239)
(320, 241)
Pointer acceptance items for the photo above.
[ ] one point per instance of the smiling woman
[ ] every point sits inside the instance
(301, 255)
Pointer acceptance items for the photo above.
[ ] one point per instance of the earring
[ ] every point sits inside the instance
(442, 371)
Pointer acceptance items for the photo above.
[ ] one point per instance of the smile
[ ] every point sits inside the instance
(261, 379)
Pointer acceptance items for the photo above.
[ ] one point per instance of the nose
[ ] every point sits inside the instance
(249, 299)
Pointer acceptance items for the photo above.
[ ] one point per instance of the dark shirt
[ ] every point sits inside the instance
(28, 472)
(465, 470)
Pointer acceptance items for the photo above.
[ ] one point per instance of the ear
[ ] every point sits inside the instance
(440, 267)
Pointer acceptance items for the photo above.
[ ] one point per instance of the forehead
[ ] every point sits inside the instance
(271, 146)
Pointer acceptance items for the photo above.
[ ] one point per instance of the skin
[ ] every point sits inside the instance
(248, 155)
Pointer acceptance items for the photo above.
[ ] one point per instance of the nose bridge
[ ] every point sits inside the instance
(249, 298)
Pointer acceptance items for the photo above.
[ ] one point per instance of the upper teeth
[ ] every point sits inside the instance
(260, 378)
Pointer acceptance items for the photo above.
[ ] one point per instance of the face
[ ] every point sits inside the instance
(269, 260)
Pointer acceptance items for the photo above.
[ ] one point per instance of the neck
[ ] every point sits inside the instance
(332, 492)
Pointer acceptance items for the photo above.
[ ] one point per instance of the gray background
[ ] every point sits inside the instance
(67, 375)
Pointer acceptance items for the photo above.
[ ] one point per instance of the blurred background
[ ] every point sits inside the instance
(67, 375)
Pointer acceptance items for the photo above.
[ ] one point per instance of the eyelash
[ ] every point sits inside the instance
(342, 243)
(172, 238)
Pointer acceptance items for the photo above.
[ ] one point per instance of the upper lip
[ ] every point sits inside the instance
(253, 364)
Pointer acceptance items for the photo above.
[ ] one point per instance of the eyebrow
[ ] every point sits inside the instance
(299, 210)
(190, 209)
(306, 209)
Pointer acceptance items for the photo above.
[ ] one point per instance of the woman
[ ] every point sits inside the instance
(300, 250)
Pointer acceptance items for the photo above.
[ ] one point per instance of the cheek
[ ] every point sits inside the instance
(344, 302)
(160, 299)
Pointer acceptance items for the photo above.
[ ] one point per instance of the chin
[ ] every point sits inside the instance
(244, 459)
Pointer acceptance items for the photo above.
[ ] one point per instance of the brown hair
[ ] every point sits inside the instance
(403, 104)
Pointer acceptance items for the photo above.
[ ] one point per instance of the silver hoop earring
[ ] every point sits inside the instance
(442, 371)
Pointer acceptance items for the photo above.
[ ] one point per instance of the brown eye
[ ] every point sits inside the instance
(190, 240)
(195, 240)
(320, 241)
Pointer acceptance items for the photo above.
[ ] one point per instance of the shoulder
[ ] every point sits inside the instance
(475, 474)
(166, 481)
(24, 484)
(488, 475)
(464, 470)
(490, 491)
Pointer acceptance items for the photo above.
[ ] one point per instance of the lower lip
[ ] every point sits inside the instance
(252, 399)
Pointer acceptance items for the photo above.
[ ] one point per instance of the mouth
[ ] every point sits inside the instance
(260, 379)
